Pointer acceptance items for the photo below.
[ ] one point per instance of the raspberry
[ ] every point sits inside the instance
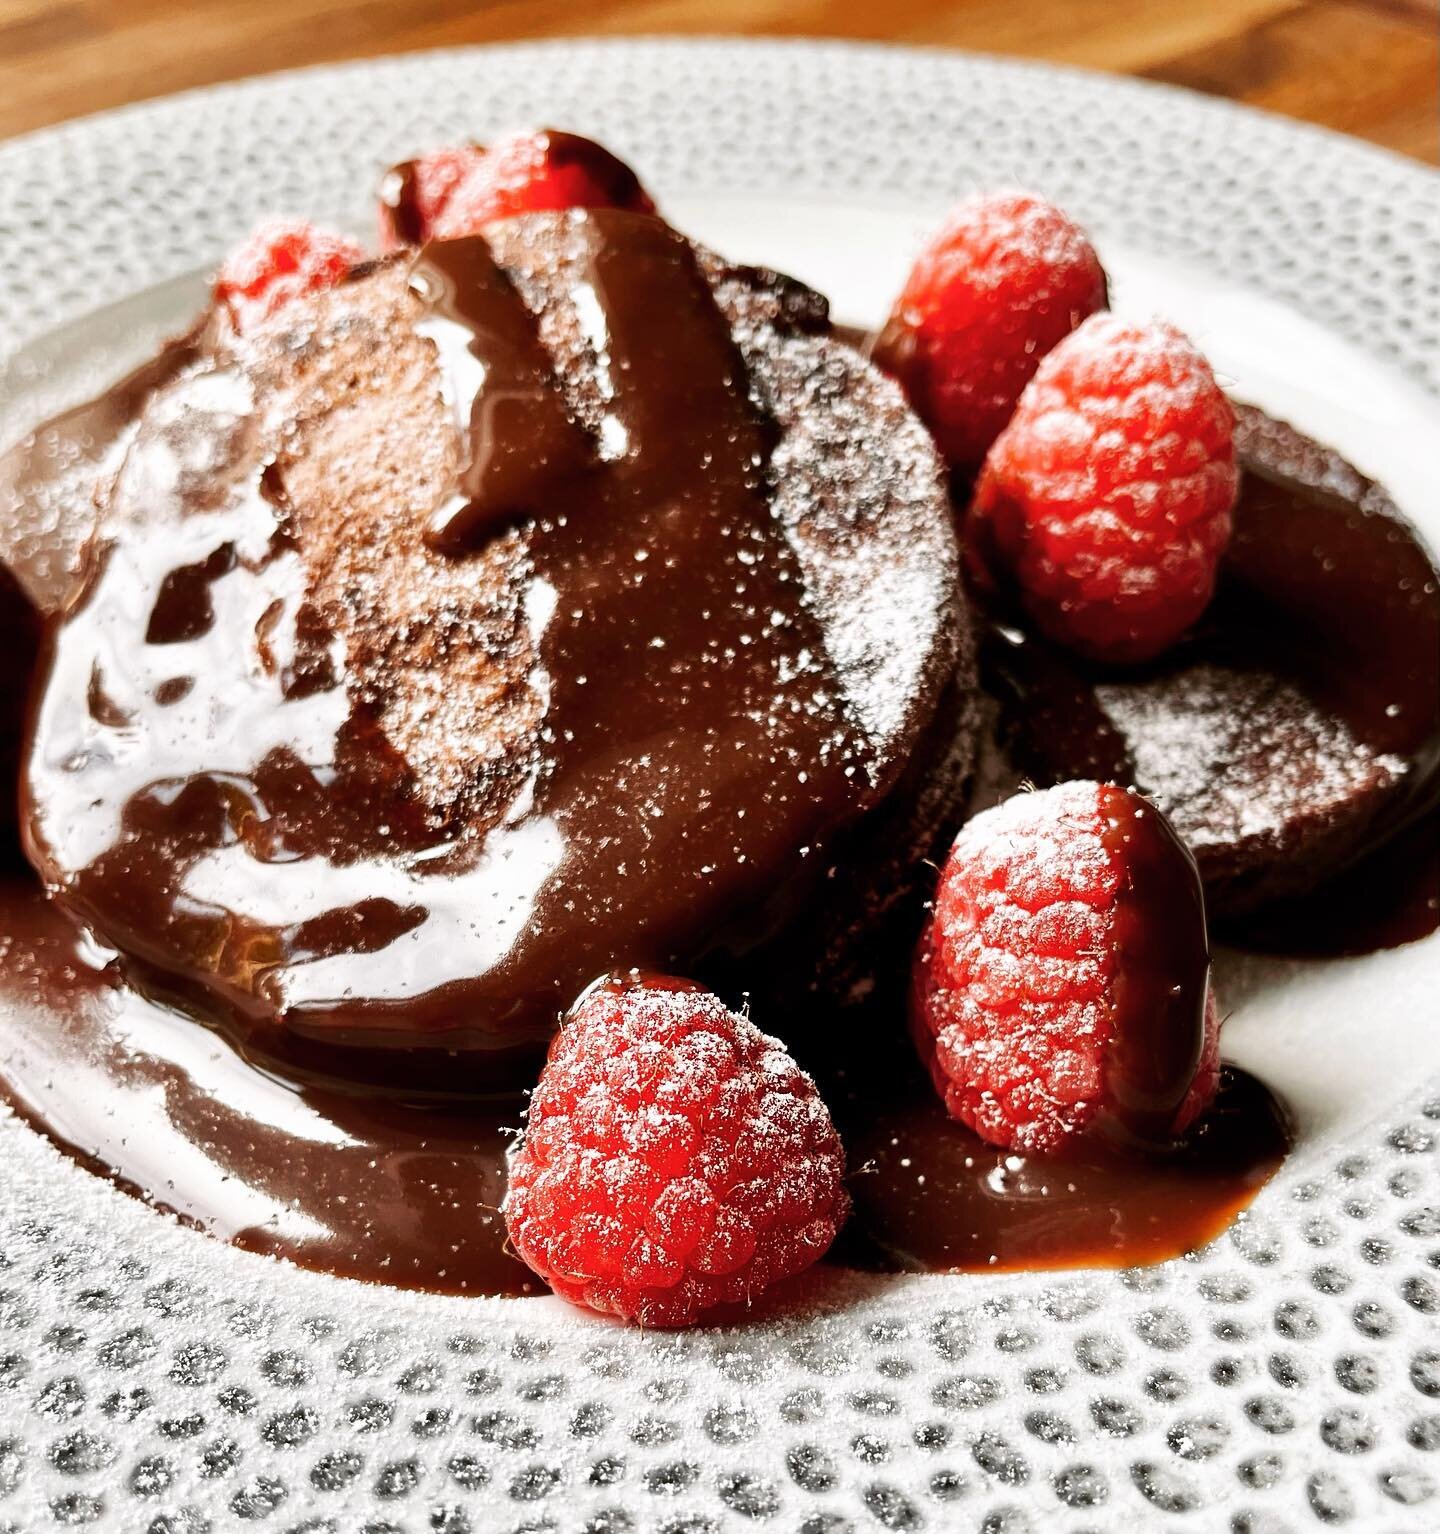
(536, 172)
(282, 260)
(1061, 989)
(676, 1158)
(413, 196)
(1005, 279)
(1107, 500)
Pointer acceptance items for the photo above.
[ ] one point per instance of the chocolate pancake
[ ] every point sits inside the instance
(517, 611)
(1298, 727)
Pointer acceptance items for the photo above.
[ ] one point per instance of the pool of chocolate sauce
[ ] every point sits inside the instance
(362, 1184)
(406, 1191)
(931, 1196)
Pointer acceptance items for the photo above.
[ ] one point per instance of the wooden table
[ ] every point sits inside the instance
(1367, 67)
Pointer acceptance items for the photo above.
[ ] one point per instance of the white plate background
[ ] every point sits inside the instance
(1286, 1378)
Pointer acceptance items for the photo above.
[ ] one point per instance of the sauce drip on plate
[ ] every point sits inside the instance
(406, 1191)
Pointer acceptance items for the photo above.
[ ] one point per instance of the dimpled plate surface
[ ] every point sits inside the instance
(1286, 1378)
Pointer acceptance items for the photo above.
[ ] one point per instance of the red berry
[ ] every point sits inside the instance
(1061, 989)
(414, 195)
(1107, 500)
(537, 172)
(675, 1158)
(280, 261)
(1005, 279)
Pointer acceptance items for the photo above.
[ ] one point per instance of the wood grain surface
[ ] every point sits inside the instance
(1367, 67)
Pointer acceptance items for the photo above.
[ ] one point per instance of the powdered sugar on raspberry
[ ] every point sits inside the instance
(1008, 230)
(1006, 277)
(1109, 495)
(282, 260)
(676, 1158)
(1018, 967)
(428, 182)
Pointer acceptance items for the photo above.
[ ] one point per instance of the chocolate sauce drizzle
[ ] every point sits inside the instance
(398, 195)
(521, 444)
(1163, 969)
(207, 788)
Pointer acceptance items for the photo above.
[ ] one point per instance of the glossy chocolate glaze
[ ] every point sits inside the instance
(930, 1196)
(695, 752)
(48, 479)
(401, 221)
(20, 629)
(1389, 897)
(47, 513)
(522, 448)
(364, 1185)
(1163, 974)
(1297, 729)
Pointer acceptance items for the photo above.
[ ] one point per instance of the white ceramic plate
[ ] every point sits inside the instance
(1287, 1377)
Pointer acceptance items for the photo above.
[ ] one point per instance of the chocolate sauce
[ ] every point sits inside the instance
(47, 513)
(370, 1186)
(1297, 729)
(48, 480)
(402, 222)
(521, 445)
(1162, 967)
(363, 1185)
(19, 647)
(931, 1196)
(210, 791)
(1389, 898)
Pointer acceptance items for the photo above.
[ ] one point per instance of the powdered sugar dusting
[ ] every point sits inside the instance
(1035, 981)
(856, 483)
(1239, 756)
